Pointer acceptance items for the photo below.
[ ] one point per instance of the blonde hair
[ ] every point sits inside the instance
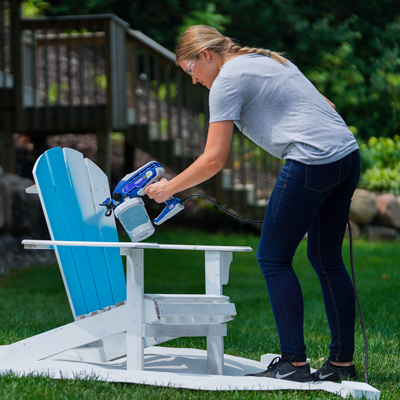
(201, 37)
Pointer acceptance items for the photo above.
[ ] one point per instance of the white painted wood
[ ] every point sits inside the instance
(69, 336)
(187, 298)
(225, 259)
(84, 354)
(154, 330)
(217, 265)
(3, 353)
(49, 244)
(135, 306)
(361, 389)
(215, 355)
(150, 312)
(114, 346)
(110, 348)
(31, 190)
(173, 368)
(153, 341)
(100, 190)
(210, 309)
(213, 269)
(194, 319)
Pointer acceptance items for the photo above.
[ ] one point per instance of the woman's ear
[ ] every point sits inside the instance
(206, 54)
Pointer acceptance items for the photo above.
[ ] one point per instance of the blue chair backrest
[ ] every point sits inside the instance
(70, 189)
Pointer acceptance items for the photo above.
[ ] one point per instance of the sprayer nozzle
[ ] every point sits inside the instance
(109, 205)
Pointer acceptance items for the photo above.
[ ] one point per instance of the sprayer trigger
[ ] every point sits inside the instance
(174, 205)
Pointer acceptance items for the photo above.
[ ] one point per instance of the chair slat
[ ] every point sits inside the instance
(87, 223)
(108, 231)
(52, 181)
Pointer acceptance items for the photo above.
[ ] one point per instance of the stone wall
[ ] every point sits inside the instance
(21, 217)
(375, 216)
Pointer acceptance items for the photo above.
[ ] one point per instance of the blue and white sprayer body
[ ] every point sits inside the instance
(129, 208)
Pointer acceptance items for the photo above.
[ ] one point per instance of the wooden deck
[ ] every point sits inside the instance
(93, 74)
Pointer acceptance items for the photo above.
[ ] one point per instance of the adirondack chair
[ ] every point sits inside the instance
(113, 316)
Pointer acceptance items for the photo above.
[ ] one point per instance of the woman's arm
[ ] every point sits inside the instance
(207, 165)
(329, 102)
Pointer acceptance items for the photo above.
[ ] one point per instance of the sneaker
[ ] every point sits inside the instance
(281, 369)
(332, 373)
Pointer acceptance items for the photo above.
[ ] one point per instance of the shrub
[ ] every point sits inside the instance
(380, 159)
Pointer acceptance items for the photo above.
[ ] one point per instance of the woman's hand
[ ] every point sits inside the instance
(158, 191)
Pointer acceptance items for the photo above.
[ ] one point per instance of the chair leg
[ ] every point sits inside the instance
(215, 355)
(134, 281)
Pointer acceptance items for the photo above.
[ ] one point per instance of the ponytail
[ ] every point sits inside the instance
(201, 37)
(264, 52)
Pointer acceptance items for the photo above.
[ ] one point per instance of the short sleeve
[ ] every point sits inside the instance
(225, 101)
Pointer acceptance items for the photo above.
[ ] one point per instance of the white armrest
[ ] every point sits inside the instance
(49, 244)
(31, 190)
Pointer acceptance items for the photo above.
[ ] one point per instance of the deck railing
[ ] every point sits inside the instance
(81, 74)
(73, 73)
(6, 78)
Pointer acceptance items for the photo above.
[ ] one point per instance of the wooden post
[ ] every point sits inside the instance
(7, 144)
(129, 150)
(104, 149)
(9, 115)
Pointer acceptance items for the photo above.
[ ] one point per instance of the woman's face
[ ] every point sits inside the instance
(203, 69)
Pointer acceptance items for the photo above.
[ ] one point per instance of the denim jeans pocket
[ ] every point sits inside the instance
(323, 177)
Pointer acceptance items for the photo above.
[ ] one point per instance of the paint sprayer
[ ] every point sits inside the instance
(129, 208)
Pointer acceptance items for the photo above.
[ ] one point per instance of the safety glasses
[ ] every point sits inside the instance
(190, 66)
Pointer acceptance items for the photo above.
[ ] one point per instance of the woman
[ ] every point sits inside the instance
(273, 104)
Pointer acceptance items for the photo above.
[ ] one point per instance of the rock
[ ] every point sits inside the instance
(355, 230)
(8, 244)
(20, 207)
(373, 232)
(22, 211)
(388, 211)
(363, 207)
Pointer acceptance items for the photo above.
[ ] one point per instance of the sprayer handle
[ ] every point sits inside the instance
(174, 205)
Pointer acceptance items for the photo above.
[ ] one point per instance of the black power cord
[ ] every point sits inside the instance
(358, 305)
(351, 262)
(221, 208)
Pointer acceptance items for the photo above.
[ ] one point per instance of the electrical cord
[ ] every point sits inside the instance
(351, 262)
(221, 208)
(358, 305)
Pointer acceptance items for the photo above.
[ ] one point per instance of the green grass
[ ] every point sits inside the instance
(33, 301)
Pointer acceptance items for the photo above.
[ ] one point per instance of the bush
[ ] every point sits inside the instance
(380, 159)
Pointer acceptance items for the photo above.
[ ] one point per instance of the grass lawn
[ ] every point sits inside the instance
(33, 300)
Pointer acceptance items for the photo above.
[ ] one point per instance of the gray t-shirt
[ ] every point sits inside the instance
(279, 109)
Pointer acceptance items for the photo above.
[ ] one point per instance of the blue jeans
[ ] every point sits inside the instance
(313, 199)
